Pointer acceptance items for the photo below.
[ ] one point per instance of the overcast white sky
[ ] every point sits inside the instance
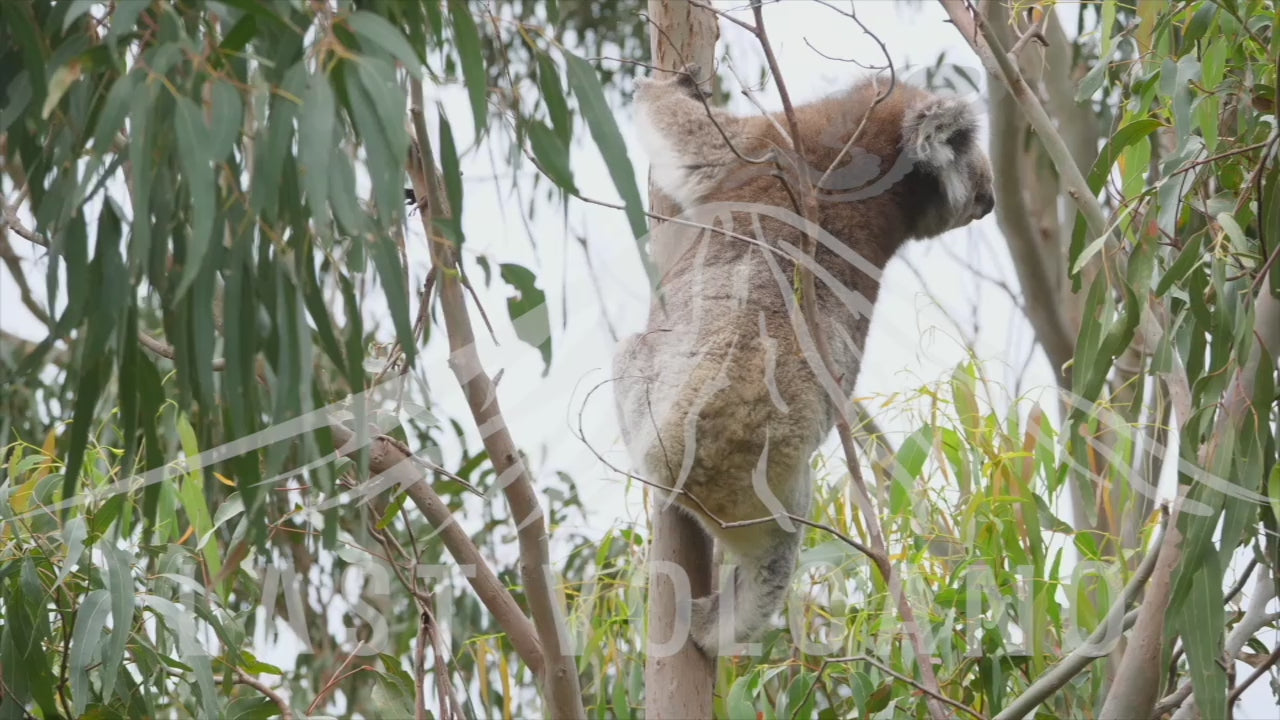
(912, 341)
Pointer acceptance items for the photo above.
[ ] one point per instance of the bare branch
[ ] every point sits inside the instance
(1258, 672)
(560, 679)
(165, 350)
(892, 673)
(9, 221)
(388, 459)
(244, 678)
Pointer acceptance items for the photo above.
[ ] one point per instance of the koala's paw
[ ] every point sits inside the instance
(689, 79)
(704, 625)
(683, 82)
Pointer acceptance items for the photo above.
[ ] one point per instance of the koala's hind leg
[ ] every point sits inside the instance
(764, 560)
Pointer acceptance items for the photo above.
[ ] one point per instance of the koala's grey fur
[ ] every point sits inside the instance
(717, 397)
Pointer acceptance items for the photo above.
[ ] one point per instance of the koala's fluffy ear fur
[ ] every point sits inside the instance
(937, 130)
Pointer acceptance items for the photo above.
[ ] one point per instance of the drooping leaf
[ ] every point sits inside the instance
(193, 153)
(604, 130)
(552, 155)
(467, 38)
(379, 32)
(528, 310)
(86, 641)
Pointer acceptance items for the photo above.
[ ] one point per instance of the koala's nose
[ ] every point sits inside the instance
(983, 202)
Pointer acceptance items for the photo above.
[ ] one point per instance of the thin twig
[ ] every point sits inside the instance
(165, 350)
(389, 460)
(244, 678)
(893, 673)
(1258, 672)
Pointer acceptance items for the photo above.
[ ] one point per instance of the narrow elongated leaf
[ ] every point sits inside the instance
(114, 109)
(226, 116)
(193, 154)
(124, 17)
(86, 638)
(315, 145)
(74, 533)
(1203, 636)
(467, 38)
(119, 581)
(604, 130)
(191, 495)
(552, 155)
(1187, 259)
(181, 624)
(376, 30)
(386, 258)
(378, 108)
(553, 95)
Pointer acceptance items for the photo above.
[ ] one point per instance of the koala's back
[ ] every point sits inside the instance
(717, 397)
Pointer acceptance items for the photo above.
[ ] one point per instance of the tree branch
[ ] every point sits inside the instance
(560, 680)
(389, 459)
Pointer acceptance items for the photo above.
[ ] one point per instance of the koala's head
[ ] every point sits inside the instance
(940, 139)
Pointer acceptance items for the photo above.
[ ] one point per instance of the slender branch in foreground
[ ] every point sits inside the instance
(165, 350)
(9, 221)
(1258, 672)
(1080, 658)
(893, 673)
(388, 459)
(244, 678)
(561, 689)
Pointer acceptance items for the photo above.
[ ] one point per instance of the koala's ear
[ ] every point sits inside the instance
(938, 130)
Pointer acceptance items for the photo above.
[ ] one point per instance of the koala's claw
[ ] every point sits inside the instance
(690, 78)
(704, 625)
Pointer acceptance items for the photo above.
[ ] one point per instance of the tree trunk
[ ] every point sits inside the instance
(677, 685)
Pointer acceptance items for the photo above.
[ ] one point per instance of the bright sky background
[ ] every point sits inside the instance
(913, 341)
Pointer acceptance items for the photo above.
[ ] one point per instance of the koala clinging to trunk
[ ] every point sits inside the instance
(723, 398)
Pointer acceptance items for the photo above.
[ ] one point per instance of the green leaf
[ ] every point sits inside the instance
(181, 624)
(316, 143)
(1187, 259)
(1203, 637)
(119, 581)
(552, 155)
(528, 310)
(1126, 136)
(386, 257)
(553, 95)
(61, 81)
(193, 154)
(467, 38)
(227, 116)
(379, 32)
(449, 168)
(74, 532)
(191, 495)
(1270, 221)
(91, 620)
(124, 17)
(378, 108)
(114, 110)
(1273, 491)
(75, 9)
(604, 130)
(1213, 62)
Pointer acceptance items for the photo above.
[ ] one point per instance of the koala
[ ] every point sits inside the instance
(722, 400)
